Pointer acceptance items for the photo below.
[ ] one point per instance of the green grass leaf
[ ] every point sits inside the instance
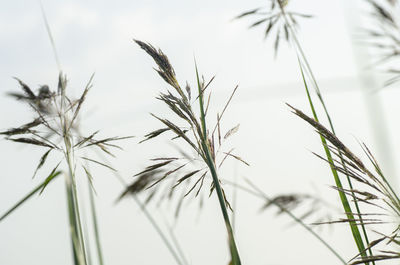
(41, 186)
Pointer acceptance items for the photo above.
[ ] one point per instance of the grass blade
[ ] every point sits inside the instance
(52, 176)
(210, 162)
(303, 60)
(346, 206)
(95, 226)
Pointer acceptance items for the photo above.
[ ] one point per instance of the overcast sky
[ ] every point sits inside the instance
(97, 37)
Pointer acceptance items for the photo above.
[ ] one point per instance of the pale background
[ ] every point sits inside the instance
(96, 36)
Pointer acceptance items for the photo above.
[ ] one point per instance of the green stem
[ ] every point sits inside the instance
(221, 199)
(211, 166)
(73, 205)
(353, 226)
(147, 214)
(72, 225)
(29, 195)
(354, 229)
(95, 226)
(176, 242)
(158, 229)
(75, 219)
(261, 194)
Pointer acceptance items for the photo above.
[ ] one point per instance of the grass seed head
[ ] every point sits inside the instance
(374, 190)
(190, 170)
(276, 18)
(55, 127)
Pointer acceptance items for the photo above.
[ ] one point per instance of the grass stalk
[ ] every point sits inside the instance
(148, 215)
(234, 201)
(345, 203)
(175, 241)
(158, 229)
(38, 188)
(259, 193)
(72, 196)
(78, 245)
(177, 245)
(72, 225)
(75, 219)
(50, 35)
(95, 226)
(210, 163)
(353, 226)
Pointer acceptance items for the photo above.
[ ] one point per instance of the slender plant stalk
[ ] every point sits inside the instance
(357, 170)
(234, 201)
(86, 237)
(148, 215)
(345, 203)
(210, 163)
(177, 245)
(346, 206)
(78, 241)
(53, 45)
(92, 201)
(259, 193)
(72, 225)
(175, 240)
(41, 186)
(75, 219)
(158, 229)
(95, 226)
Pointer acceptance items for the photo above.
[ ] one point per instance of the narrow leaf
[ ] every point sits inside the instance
(28, 196)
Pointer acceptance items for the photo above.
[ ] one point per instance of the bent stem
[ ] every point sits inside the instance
(211, 165)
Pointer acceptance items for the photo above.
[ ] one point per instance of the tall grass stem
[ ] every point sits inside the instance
(346, 206)
(210, 163)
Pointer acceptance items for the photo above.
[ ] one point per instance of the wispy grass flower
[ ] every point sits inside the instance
(55, 129)
(374, 190)
(307, 207)
(192, 129)
(273, 18)
(285, 17)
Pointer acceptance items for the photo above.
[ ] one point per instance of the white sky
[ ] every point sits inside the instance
(95, 36)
